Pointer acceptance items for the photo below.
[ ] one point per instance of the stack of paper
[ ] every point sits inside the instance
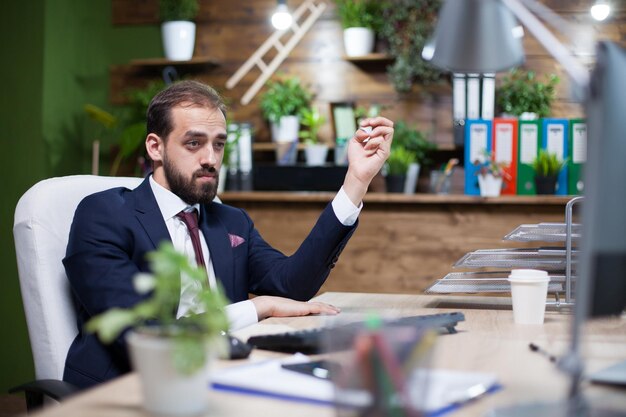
(446, 390)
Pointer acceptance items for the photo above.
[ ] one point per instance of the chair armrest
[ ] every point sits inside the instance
(35, 391)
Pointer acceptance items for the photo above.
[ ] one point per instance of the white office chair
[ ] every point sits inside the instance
(43, 217)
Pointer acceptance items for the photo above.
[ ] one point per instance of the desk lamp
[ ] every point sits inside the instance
(480, 36)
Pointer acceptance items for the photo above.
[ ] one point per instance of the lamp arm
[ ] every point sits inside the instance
(577, 72)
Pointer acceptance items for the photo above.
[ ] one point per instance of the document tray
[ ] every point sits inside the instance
(323, 339)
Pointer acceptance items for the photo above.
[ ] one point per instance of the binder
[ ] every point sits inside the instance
(473, 96)
(578, 152)
(488, 96)
(477, 141)
(505, 151)
(529, 142)
(459, 104)
(555, 139)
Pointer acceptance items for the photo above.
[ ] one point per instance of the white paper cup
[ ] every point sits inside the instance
(529, 291)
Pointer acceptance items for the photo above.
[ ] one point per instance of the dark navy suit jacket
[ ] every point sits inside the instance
(111, 233)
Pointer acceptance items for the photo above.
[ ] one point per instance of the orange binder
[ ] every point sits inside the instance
(505, 151)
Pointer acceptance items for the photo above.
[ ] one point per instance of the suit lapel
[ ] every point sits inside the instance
(217, 240)
(149, 215)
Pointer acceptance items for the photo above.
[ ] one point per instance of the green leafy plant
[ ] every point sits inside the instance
(284, 97)
(313, 121)
(408, 24)
(361, 13)
(399, 160)
(414, 141)
(521, 92)
(372, 110)
(133, 135)
(547, 164)
(191, 334)
(170, 10)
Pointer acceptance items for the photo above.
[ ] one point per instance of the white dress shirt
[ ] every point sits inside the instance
(239, 314)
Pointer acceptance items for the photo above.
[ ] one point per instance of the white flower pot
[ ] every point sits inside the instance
(316, 154)
(178, 39)
(165, 390)
(286, 130)
(358, 41)
(411, 178)
(490, 186)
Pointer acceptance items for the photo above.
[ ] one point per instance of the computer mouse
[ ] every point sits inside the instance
(237, 349)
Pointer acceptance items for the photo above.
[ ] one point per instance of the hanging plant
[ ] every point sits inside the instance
(408, 25)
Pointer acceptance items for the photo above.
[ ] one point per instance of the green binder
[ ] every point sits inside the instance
(529, 143)
(578, 155)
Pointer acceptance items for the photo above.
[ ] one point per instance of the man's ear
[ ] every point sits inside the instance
(155, 147)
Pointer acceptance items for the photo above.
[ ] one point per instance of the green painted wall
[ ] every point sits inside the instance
(22, 163)
(56, 55)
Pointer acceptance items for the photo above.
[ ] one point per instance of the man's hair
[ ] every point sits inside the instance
(189, 93)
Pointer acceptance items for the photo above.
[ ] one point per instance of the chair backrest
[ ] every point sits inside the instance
(43, 217)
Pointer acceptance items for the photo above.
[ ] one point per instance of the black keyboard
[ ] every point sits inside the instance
(312, 341)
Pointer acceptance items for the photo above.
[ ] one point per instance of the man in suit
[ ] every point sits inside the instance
(114, 229)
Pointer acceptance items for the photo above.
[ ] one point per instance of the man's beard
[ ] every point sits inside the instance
(189, 190)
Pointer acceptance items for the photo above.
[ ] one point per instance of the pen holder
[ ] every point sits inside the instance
(385, 374)
(439, 182)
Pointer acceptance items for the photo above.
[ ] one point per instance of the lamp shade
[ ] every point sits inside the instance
(475, 36)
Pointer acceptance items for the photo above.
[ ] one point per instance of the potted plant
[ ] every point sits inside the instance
(282, 104)
(178, 30)
(415, 141)
(361, 20)
(408, 24)
(397, 165)
(490, 175)
(171, 356)
(522, 95)
(315, 151)
(547, 167)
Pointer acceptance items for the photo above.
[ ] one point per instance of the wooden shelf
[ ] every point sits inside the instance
(271, 146)
(373, 57)
(392, 198)
(197, 61)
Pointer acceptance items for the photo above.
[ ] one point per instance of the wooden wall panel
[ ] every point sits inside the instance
(230, 30)
(401, 249)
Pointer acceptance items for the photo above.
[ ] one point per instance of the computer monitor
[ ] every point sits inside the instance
(601, 287)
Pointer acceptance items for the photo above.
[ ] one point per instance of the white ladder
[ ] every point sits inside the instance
(256, 59)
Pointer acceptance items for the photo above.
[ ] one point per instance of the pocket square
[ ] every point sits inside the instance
(235, 240)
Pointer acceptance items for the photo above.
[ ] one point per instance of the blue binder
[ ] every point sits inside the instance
(477, 141)
(555, 138)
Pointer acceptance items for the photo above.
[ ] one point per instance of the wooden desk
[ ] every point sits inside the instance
(487, 341)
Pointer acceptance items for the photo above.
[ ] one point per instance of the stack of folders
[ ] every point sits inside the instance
(516, 143)
(386, 373)
(551, 257)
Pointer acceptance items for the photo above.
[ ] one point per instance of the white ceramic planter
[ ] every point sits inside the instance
(358, 41)
(165, 390)
(411, 178)
(316, 154)
(178, 39)
(286, 130)
(490, 186)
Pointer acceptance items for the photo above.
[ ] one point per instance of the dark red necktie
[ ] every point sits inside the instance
(190, 218)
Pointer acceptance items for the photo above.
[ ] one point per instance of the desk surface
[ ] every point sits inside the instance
(487, 341)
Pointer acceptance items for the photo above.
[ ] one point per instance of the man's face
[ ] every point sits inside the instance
(192, 154)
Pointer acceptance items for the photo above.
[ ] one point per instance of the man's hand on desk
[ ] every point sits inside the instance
(268, 306)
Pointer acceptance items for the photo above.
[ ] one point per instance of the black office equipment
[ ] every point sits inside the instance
(310, 341)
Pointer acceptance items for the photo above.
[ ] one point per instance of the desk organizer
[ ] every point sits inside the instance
(559, 261)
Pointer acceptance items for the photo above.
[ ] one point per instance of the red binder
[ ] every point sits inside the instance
(505, 151)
